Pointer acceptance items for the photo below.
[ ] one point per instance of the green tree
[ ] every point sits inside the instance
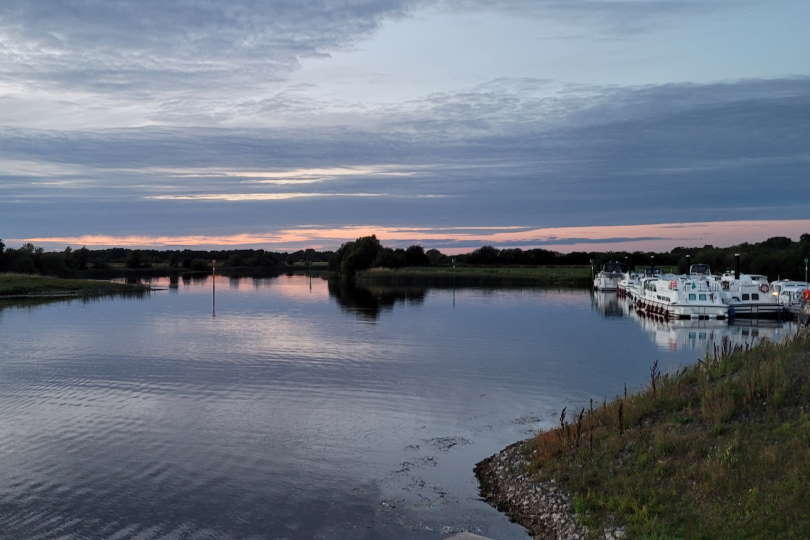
(415, 256)
(484, 255)
(134, 259)
(352, 257)
(81, 258)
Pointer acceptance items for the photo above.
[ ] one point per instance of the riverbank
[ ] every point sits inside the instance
(443, 276)
(717, 450)
(35, 286)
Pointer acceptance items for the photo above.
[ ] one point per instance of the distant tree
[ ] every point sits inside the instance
(436, 257)
(81, 258)
(777, 242)
(354, 256)
(236, 260)
(52, 264)
(484, 255)
(363, 252)
(199, 265)
(23, 262)
(384, 258)
(510, 256)
(415, 256)
(134, 259)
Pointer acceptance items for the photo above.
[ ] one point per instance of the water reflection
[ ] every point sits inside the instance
(35, 302)
(696, 335)
(608, 304)
(367, 302)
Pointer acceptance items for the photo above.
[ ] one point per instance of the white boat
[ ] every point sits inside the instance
(608, 278)
(749, 295)
(788, 293)
(694, 296)
(629, 284)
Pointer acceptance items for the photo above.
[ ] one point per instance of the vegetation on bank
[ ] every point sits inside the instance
(562, 276)
(775, 257)
(717, 450)
(33, 285)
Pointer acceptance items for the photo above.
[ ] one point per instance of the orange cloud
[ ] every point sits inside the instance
(659, 236)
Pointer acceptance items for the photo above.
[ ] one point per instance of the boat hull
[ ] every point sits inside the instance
(682, 311)
(755, 310)
(601, 283)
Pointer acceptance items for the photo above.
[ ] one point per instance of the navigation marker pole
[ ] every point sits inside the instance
(453, 263)
(213, 288)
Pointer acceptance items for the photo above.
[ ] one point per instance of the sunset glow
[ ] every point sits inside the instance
(660, 236)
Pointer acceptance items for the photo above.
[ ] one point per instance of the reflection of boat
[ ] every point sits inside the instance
(608, 304)
(701, 334)
(704, 335)
(801, 311)
(608, 278)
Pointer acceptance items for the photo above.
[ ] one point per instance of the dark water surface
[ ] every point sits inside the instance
(303, 410)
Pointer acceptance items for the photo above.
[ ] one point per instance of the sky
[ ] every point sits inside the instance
(564, 124)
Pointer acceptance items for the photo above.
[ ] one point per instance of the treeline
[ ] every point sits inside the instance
(775, 257)
(30, 259)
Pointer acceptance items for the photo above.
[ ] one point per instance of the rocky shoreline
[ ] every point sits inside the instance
(544, 508)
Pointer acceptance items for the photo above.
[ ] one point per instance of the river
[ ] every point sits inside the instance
(303, 409)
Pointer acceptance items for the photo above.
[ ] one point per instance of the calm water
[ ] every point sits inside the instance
(301, 410)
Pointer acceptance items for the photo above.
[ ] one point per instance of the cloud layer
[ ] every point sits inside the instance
(151, 120)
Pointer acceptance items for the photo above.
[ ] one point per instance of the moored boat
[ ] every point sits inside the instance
(628, 285)
(682, 297)
(788, 293)
(749, 295)
(608, 278)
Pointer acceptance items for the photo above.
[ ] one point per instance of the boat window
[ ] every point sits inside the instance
(702, 297)
(754, 296)
(692, 296)
(746, 296)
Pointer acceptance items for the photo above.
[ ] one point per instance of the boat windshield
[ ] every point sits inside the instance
(702, 269)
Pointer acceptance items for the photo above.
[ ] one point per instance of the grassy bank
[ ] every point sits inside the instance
(717, 450)
(561, 276)
(23, 285)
